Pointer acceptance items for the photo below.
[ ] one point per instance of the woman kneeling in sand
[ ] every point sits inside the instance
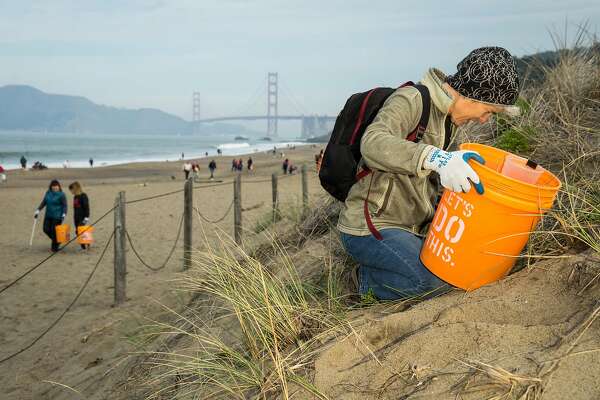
(383, 231)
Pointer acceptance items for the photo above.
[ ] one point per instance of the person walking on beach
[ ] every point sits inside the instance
(211, 167)
(23, 162)
(195, 170)
(2, 175)
(285, 166)
(233, 165)
(187, 168)
(55, 202)
(91, 162)
(240, 165)
(81, 208)
(250, 164)
(388, 210)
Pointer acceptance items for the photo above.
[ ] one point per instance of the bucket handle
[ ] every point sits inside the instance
(471, 155)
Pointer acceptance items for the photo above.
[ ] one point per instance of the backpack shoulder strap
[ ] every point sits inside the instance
(417, 134)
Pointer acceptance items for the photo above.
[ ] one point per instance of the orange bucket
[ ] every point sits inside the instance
(63, 233)
(85, 234)
(475, 239)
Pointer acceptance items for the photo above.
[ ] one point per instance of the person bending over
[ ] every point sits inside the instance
(402, 190)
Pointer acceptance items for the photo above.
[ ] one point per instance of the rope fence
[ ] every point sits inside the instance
(164, 264)
(66, 310)
(154, 197)
(120, 237)
(282, 176)
(225, 183)
(216, 221)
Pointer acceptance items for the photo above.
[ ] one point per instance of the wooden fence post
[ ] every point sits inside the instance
(304, 189)
(237, 209)
(275, 196)
(119, 246)
(188, 209)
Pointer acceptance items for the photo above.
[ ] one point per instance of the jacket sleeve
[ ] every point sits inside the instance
(384, 145)
(63, 200)
(85, 205)
(43, 203)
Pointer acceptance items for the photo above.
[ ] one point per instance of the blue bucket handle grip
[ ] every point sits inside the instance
(474, 156)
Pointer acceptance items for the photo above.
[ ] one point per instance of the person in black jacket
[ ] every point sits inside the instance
(285, 165)
(212, 166)
(81, 207)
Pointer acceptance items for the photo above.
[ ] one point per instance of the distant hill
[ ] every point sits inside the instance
(531, 67)
(27, 108)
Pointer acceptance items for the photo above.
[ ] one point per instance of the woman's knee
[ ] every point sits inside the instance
(400, 257)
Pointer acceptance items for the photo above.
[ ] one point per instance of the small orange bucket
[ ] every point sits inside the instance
(85, 234)
(63, 233)
(475, 239)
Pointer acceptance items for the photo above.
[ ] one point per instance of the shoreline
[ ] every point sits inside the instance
(158, 171)
(226, 152)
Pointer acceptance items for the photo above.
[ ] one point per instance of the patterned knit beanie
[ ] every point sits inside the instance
(489, 75)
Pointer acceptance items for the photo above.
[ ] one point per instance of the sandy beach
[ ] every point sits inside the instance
(85, 349)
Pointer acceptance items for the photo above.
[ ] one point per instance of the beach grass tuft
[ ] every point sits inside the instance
(275, 322)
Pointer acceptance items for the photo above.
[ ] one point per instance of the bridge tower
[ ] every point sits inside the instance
(272, 99)
(196, 112)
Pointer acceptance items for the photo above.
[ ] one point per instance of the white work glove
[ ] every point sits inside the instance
(62, 217)
(454, 170)
(36, 213)
(86, 221)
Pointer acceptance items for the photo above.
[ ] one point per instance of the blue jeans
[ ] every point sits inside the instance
(391, 268)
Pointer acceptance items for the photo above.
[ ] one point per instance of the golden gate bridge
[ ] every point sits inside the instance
(312, 125)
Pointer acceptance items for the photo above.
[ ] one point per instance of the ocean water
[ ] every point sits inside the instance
(53, 149)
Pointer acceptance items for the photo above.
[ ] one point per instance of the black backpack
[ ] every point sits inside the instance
(339, 168)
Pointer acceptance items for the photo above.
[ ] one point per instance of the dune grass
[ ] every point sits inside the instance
(275, 320)
(496, 383)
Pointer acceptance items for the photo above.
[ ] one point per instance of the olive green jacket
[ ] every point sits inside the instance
(402, 194)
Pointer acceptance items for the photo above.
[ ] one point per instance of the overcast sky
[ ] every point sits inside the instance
(152, 53)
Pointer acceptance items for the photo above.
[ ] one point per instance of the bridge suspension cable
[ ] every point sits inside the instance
(299, 107)
(252, 99)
